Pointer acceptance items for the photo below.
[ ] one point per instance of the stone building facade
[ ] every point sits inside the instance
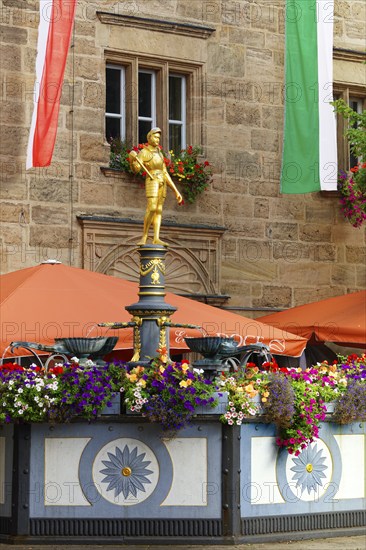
(242, 244)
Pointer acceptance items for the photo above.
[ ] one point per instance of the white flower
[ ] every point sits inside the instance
(40, 404)
(230, 422)
(238, 422)
(20, 390)
(36, 398)
(11, 382)
(198, 371)
(74, 359)
(20, 411)
(89, 363)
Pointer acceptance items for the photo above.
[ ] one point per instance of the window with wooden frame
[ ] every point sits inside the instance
(142, 93)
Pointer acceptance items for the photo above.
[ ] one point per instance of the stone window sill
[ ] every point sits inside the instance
(330, 194)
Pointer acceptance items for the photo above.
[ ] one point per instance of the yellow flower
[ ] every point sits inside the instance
(132, 377)
(161, 369)
(264, 399)
(185, 367)
(142, 383)
(250, 390)
(239, 389)
(266, 394)
(185, 383)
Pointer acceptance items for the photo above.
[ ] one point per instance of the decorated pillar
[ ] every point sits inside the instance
(151, 314)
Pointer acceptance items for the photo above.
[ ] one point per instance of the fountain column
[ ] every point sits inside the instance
(151, 312)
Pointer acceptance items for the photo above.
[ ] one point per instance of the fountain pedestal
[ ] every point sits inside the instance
(151, 312)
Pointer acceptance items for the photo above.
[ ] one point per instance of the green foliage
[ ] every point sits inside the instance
(353, 186)
(193, 174)
(356, 131)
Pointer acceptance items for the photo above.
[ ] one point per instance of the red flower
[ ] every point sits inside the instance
(56, 370)
(11, 366)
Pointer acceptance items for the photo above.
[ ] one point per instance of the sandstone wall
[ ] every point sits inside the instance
(278, 250)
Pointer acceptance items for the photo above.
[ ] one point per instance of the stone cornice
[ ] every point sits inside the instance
(159, 25)
(84, 219)
(343, 54)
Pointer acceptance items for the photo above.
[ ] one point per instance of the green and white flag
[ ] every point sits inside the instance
(309, 160)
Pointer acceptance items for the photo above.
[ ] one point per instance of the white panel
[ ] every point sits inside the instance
(189, 485)
(263, 487)
(61, 471)
(2, 469)
(352, 484)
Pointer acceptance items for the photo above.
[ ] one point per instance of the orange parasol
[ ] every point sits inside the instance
(51, 300)
(340, 320)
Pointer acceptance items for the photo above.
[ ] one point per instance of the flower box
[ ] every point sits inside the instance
(330, 407)
(220, 408)
(115, 407)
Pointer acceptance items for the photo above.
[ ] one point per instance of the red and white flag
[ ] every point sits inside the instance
(54, 36)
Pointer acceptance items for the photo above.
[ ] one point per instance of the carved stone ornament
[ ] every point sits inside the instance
(193, 258)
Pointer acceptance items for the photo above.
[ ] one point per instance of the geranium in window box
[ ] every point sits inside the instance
(187, 167)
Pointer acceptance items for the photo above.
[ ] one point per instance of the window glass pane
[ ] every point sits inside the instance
(144, 128)
(145, 94)
(175, 137)
(113, 92)
(175, 98)
(112, 128)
